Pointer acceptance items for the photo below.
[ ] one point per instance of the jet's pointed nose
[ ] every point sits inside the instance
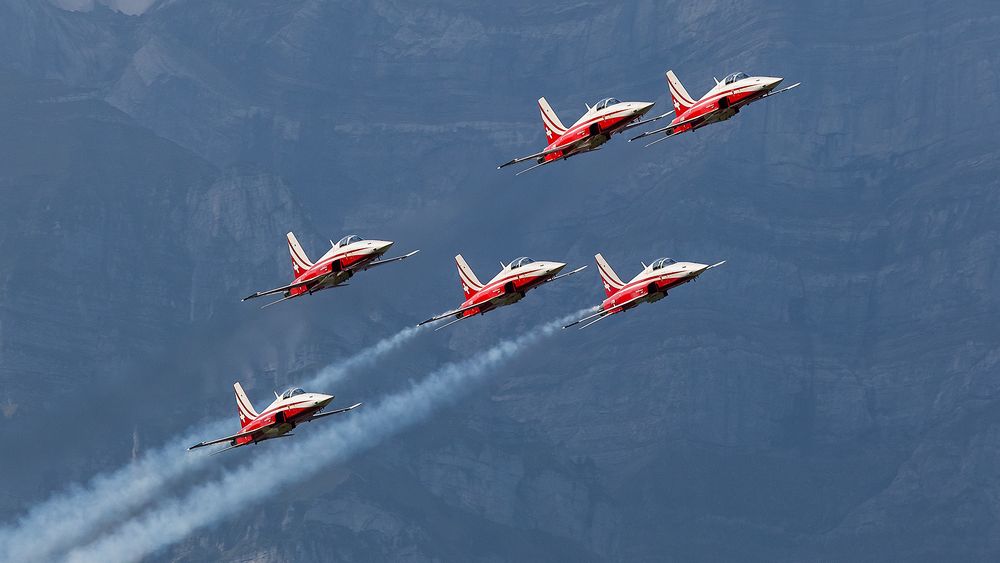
(322, 400)
(642, 107)
(694, 269)
(380, 246)
(769, 82)
(553, 268)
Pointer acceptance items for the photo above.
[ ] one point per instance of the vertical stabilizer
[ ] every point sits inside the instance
(243, 406)
(553, 127)
(682, 100)
(300, 262)
(470, 283)
(612, 283)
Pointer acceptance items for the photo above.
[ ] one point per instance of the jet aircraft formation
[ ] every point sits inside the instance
(352, 254)
(610, 116)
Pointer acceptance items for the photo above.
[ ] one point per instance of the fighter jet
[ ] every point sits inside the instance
(291, 408)
(346, 257)
(509, 286)
(719, 104)
(649, 285)
(604, 119)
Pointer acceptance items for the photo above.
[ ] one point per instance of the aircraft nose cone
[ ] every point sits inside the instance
(380, 246)
(695, 270)
(555, 267)
(642, 107)
(771, 81)
(323, 400)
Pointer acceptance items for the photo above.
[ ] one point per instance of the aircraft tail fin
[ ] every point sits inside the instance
(682, 100)
(243, 406)
(612, 283)
(470, 283)
(300, 262)
(553, 127)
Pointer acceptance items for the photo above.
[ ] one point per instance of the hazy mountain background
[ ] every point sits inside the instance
(831, 393)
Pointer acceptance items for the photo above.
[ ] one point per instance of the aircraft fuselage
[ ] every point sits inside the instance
(282, 416)
(595, 128)
(339, 264)
(725, 100)
(654, 284)
(510, 286)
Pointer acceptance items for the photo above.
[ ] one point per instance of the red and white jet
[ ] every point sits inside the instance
(346, 257)
(291, 408)
(509, 286)
(605, 118)
(720, 103)
(649, 285)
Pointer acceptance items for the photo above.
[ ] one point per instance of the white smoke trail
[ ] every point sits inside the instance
(175, 519)
(335, 372)
(67, 518)
(62, 520)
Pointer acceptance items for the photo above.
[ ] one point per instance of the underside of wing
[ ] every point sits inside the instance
(606, 312)
(539, 165)
(226, 439)
(226, 449)
(669, 129)
(564, 148)
(281, 289)
(447, 324)
(454, 312)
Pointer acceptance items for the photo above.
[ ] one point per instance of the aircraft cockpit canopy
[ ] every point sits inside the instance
(662, 263)
(605, 103)
(292, 392)
(735, 76)
(349, 239)
(522, 261)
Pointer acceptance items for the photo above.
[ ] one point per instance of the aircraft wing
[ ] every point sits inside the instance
(280, 289)
(669, 129)
(645, 121)
(530, 168)
(452, 313)
(567, 147)
(221, 440)
(308, 284)
(605, 313)
(338, 411)
(388, 260)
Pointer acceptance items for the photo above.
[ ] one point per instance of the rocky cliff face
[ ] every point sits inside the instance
(829, 392)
